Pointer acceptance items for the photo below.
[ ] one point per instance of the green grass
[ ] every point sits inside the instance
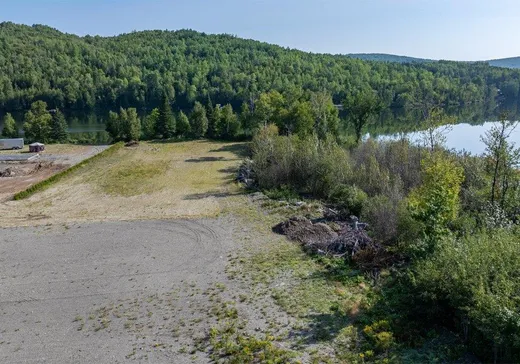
(40, 186)
(230, 343)
(132, 178)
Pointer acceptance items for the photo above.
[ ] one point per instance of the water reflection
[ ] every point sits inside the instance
(472, 122)
(461, 137)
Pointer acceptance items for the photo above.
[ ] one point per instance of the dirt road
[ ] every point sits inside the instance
(107, 292)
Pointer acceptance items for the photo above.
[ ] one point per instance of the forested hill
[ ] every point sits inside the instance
(135, 69)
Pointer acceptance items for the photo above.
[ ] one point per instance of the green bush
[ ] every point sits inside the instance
(350, 199)
(283, 193)
(309, 165)
(436, 202)
(474, 281)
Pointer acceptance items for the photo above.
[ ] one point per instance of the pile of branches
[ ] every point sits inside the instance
(337, 238)
(246, 174)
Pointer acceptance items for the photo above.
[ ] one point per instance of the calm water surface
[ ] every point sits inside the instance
(461, 137)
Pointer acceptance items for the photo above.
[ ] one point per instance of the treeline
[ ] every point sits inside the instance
(449, 223)
(137, 69)
(301, 113)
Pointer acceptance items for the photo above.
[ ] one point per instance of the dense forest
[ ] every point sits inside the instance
(138, 69)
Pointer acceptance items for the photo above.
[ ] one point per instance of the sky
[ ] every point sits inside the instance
(436, 29)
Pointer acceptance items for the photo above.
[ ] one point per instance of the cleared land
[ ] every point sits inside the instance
(107, 292)
(16, 177)
(151, 181)
(163, 289)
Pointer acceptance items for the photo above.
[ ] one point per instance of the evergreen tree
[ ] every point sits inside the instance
(214, 121)
(183, 124)
(37, 125)
(59, 128)
(10, 129)
(165, 127)
(171, 126)
(150, 124)
(198, 121)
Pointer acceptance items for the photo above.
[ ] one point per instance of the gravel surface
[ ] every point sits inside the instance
(108, 292)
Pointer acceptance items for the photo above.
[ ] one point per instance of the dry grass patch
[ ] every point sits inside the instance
(151, 181)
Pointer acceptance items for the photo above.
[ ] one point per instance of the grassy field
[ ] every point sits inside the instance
(151, 181)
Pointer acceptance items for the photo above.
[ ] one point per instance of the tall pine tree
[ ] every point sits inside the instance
(165, 126)
(214, 121)
(59, 128)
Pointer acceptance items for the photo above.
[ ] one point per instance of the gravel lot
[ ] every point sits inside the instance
(108, 292)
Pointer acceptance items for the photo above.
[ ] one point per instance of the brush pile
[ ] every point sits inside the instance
(336, 238)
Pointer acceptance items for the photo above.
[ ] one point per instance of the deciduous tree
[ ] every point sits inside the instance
(10, 129)
(37, 124)
(362, 106)
(198, 121)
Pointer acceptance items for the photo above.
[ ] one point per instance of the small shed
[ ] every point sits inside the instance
(36, 147)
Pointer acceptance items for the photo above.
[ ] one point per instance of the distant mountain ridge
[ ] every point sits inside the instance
(512, 62)
(384, 57)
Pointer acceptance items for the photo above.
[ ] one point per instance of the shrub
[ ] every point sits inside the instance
(436, 202)
(381, 214)
(379, 335)
(285, 192)
(477, 278)
(308, 165)
(350, 199)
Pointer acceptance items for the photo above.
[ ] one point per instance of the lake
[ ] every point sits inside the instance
(471, 123)
(461, 137)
